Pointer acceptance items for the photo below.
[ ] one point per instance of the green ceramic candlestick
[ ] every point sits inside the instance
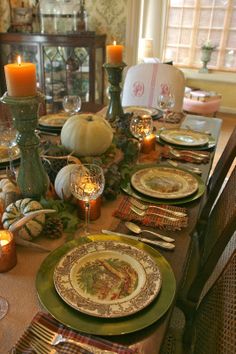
(32, 178)
(114, 72)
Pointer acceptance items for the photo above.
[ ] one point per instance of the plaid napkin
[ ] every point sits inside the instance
(124, 212)
(85, 340)
(184, 156)
(173, 117)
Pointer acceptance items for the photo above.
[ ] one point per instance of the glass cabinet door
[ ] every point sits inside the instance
(66, 72)
(66, 65)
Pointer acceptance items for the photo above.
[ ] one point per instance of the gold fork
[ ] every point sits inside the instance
(53, 338)
(144, 213)
(142, 206)
(29, 341)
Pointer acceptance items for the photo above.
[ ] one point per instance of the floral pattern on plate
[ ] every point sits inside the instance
(184, 137)
(107, 279)
(164, 182)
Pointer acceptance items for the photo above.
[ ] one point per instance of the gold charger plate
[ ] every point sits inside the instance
(107, 279)
(164, 182)
(4, 154)
(184, 137)
(53, 120)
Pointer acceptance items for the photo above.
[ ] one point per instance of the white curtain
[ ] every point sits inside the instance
(132, 31)
(145, 19)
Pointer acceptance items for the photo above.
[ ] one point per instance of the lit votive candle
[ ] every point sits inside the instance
(114, 53)
(7, 251)
(148, 144)
(20, 79)
(95, 208)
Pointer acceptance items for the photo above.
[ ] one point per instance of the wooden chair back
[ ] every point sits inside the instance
(221, 225)
(218, 176)
(213, 326)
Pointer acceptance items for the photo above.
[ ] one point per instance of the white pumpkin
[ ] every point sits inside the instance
(17, 210)
(87, 134)
(62, 182)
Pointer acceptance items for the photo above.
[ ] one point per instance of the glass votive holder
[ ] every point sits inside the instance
(95, 208)
(7, 251)
(148, 144)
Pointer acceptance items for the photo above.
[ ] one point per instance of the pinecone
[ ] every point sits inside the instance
(53, 228)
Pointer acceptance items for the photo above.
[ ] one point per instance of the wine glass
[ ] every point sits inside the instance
(141, 126)
(87, 183)
(71, 104)
(165, 102)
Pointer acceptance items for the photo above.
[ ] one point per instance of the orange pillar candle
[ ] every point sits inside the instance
(7, 251)
(20, 79)
(114, 53)
(148, 144)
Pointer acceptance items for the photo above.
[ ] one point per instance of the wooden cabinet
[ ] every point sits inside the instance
(66, 64)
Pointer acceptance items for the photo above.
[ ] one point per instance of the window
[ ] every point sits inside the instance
(191, 23)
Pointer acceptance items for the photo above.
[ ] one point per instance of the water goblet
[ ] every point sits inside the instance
(87, 183)
(165, 102)
(141, 126)
(71, 104)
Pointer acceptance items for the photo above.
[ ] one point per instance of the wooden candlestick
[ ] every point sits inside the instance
(7, 251)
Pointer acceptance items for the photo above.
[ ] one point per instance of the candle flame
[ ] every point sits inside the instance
(114, 42)
(19, 60)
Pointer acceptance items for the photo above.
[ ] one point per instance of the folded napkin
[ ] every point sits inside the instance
(124, 212)
(185, 155)
(86, 341)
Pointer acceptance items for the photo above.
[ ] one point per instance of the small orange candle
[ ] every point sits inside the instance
(20, 79)
(95, 208)
(114, 53)
(7, 251)
(148, 144)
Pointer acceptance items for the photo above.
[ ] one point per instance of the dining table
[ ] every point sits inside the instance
(18, 286)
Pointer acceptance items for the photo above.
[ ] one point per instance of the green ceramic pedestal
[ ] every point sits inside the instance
(114, 73)
(32, 178)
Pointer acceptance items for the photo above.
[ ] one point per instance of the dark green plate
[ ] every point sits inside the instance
(95, 325)
(127, 188)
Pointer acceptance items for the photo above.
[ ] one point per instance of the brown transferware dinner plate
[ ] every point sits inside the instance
(107, 279)
(164, 182)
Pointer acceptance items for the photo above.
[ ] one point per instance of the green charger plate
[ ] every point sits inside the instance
(72, 318)
(127, 188)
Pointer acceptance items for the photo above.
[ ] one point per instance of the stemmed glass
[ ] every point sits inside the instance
(165, 101)
(141, 126)
(87, 183)
(71, 104)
